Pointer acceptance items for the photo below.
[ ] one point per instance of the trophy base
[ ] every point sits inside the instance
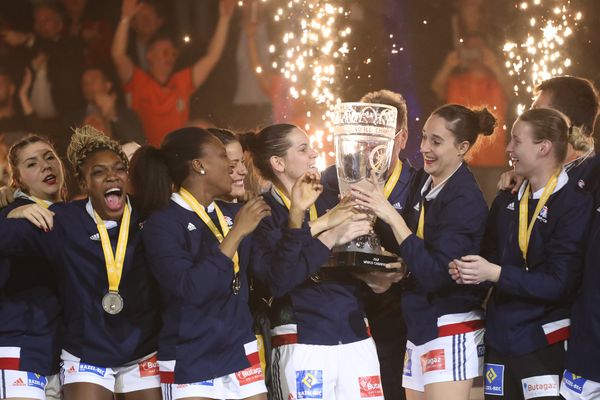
(359, 262)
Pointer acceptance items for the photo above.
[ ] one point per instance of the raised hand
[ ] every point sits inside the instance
(357, 225)
(226, 8)
(249, 216)
(130, 8)
(37, 215)
(510, 180)
(375, 201)
(6, 196)
(305, 191)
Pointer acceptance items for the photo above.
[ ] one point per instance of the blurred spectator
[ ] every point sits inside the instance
(83, 23)
(145, 25)
(104, 109)
(284, 108)
(14, 119)
(473, 75)
(56, 61)
(4, 173)
(251, 106)
(161, 97)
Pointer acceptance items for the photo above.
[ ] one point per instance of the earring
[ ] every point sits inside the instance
(202, 171)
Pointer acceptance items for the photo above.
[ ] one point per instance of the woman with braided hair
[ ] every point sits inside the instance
(110, 311)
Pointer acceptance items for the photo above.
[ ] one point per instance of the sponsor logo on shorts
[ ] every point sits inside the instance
(83, 367)
(291, 396)
(71, 370)
(573, 382)
(407, 363)
(493, 380)
(540, 386)
(35, 380)
(309, 384)
(148, 367)
(210, 382)
(250, 375)
(19, 382)
(433, 360)
(370, 386)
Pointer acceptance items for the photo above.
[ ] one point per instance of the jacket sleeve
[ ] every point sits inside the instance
(19, 237)
(458, 232)
(176, 270)
(284, 258)
(559, 274)
(489, 243)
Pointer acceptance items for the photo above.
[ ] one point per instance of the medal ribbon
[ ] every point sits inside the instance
(201, 212)
(114, 265)
(525, 229)
(421, 225)
(313, 209)
(393, 180)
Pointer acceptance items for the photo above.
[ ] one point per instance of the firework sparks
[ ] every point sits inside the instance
(541, 54)
(309, 54)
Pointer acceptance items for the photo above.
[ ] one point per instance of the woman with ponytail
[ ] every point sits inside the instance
(200, 251)
(320, 338)
(444, 218)
(532, 256)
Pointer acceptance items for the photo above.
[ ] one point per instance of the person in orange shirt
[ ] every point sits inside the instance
(160, 96)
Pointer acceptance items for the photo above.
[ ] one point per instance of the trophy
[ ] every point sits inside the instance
(364, 140)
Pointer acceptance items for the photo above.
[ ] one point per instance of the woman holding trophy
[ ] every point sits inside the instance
(321, 342)
(444, 218)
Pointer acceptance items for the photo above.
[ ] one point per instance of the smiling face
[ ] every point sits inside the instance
(218, 168)
(523, 149)
(39, 171)
(236, 156)
(300, 157)
(441, 154)
(105, 180)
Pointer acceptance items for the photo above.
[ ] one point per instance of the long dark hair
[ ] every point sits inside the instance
(271, 141)
(156, 173)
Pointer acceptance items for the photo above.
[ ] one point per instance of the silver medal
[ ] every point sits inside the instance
(112, 303)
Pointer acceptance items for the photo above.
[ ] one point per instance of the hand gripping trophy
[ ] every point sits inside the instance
(364, 140)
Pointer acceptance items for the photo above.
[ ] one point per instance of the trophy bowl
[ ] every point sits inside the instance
(364, 140)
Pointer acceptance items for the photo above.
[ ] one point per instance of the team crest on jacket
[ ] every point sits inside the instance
(581, 183)
(417, 207)
(229, 221)
(191, 227)
(96, 237)
(543, 214)
(511, 206)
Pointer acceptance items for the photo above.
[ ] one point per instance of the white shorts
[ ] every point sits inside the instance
(22, 384)
(238, 385)
(140, 374)
(339, 372)
(445, 359)
(575, 387)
